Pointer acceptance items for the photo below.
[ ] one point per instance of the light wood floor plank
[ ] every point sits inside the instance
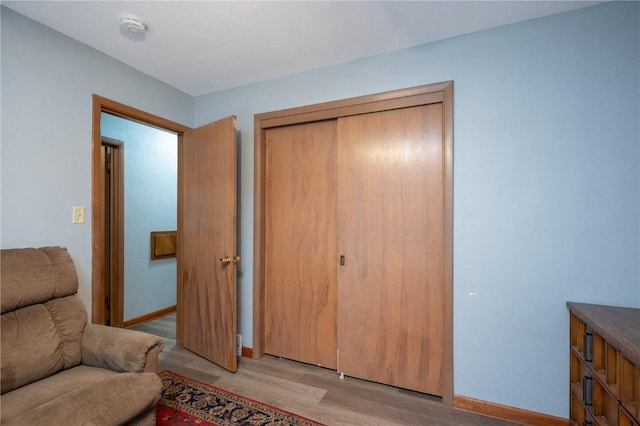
(314, 392)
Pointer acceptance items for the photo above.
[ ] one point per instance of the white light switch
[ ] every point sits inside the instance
(78, 214)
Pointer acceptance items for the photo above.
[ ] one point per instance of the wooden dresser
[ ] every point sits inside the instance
(605, 365)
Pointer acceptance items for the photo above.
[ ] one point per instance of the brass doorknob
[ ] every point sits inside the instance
(229, 260)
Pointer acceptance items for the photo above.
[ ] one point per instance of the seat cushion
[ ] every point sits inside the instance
(82, 396)
(35, 394)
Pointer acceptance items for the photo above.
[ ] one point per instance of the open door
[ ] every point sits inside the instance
(207, 242)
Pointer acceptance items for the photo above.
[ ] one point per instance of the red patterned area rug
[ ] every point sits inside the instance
(187, 402)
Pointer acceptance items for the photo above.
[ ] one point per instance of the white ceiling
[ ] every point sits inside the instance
(206, 46)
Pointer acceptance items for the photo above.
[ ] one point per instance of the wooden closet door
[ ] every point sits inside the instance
(391, 288)
(300, 243)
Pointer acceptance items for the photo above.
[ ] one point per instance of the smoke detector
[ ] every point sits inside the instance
(132, 28)
(133, 25)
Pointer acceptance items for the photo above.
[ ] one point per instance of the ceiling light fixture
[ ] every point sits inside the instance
(133, 28)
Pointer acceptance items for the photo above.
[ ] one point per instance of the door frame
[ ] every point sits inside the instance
(98, 237)
(404, 98)
(115, 235)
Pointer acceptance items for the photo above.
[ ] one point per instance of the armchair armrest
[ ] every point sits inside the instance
(119, 349)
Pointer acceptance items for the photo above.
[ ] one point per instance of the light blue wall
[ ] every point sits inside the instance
(546, 183)
(47, 81)
(546, 157)
(150, 158)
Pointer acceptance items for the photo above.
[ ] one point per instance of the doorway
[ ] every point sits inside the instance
(144, 204)
(206, 237)
(107, 223)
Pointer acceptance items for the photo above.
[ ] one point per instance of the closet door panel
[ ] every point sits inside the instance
(301, 243)
(390, 288)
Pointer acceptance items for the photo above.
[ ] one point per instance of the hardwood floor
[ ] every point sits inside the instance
(311, 391)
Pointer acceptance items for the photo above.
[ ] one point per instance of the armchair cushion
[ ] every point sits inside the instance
(117, 349)
(113, 400)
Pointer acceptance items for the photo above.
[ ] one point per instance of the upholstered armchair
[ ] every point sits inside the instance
(56, 368)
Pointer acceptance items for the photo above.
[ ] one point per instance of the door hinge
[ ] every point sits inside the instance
(107, 160)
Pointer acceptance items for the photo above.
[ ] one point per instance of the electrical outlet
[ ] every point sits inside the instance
(78, 214)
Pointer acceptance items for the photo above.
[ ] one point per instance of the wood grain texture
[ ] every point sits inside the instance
(390, 291)
(301, 243)
(115, 233)
(98, 221)
(259, 178)
(618, 325)
(207, 232)
(311, 391)
(402, 98)
(447, 250)
(421, 95)
(163, 244)
(611, 360)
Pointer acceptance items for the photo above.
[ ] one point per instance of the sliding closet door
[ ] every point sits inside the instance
(391, 286)
(300, 243)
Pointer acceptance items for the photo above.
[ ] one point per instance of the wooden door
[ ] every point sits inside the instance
(207, 242)
(391, 227)
(301, 246)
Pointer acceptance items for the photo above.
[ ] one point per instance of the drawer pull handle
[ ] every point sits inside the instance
(587, 390)
(587, 341)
